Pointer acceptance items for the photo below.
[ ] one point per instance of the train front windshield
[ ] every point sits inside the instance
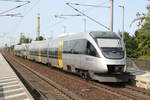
(110, 44)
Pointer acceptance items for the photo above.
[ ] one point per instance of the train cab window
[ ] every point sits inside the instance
(91, 50)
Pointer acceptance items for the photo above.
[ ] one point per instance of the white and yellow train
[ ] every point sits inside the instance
(96, 55)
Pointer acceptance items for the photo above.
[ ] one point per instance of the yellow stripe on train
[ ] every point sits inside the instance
(60, 50)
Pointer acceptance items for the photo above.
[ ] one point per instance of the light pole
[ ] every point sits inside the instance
(62, 16)
(83, 14)
(51, 32)
(64, 29)
(84, 24)
(122, 22)
(111, 15)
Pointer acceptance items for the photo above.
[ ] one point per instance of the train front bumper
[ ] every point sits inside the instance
(123, 77)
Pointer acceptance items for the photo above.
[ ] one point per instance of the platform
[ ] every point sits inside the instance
(140, 78)
(11, 88)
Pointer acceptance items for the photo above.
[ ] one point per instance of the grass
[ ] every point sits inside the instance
(146, 57)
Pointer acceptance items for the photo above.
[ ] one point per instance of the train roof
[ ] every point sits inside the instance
(19, 47)
(70, 36)
(91, 33)
(100, 33)
(103, 34)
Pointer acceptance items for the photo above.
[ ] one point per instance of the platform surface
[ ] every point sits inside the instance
(140, 78)
(140, 75)
(11, 88)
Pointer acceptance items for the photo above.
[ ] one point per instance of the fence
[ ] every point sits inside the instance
(138, 64)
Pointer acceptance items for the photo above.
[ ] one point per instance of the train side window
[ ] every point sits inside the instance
(80, 46)
(91, 50)
(66, 47)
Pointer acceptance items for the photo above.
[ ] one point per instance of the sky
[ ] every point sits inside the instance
(11, 27)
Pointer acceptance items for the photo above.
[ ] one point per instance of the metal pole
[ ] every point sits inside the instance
(87, 16)
(111, 14)
(64, 29)
(51, 32)
(122, 22)
(38, 26)
(84, 25)
(123, 25)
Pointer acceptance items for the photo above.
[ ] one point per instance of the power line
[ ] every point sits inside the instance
(10, 0)
(87, 10)
(14, 0)
(13, 15)
(87, 16)
(14, 8)
(77, 4)
(104, 2)
(26, 13)
(55, 24)
(36, 3)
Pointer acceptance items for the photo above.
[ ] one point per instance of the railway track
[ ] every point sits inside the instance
(144, 91)
(131, 92)
(42, 88)
(89, 88)
(123, 90)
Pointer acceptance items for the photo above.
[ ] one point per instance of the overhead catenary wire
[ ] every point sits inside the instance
(22, 17)
(13, 15)
(65, 19)
(88, 16)
(14, 0)
(26, 13)
(77, 4)
(55, 24)
(10, 0)
(34, 5)
(5, 13)
(104, 2)
(14, 8)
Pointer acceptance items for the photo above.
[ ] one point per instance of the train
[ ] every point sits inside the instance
(95, 55)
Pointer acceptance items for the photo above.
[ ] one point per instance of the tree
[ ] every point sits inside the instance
(24, 39)
(131, 45)
(40, 38)
(143, 40)
(142, 35)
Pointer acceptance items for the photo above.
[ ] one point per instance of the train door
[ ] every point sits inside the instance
(76, 49)
(48, 53)
(91, 58)
(39, 53)
(60, 51)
